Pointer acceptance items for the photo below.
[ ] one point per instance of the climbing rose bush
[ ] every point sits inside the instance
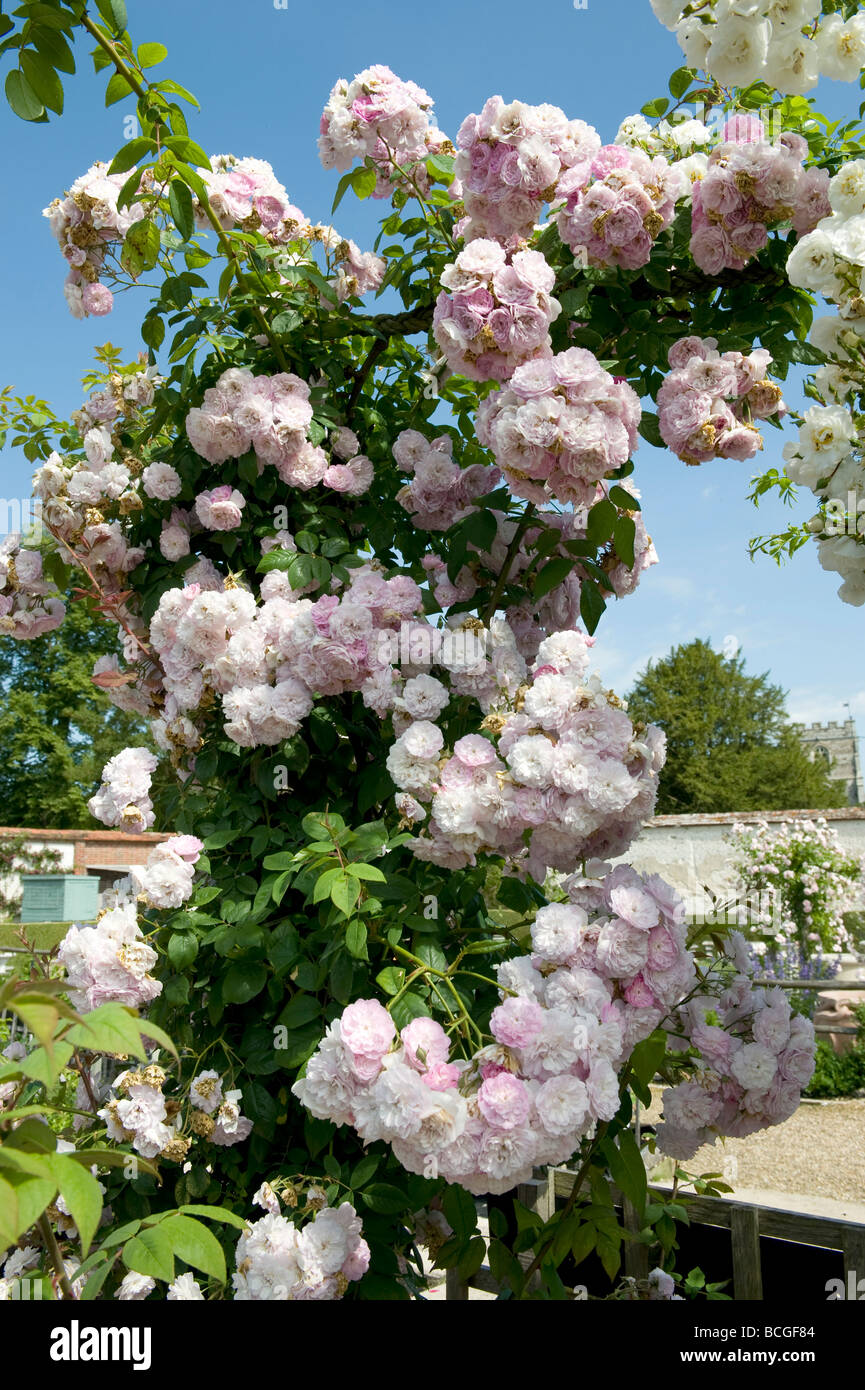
(357, 554)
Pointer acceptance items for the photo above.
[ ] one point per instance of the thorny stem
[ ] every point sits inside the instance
(575, 1191)
(527, 517)
(105, 601)
(567, 1209)
(56, 1258)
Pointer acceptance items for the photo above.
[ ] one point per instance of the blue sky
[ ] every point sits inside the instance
(262, 75)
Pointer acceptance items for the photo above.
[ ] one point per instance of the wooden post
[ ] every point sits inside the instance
(636, 1254)
(854, 1261)
(538, 1195)
(745, 1234)
(455, 1288)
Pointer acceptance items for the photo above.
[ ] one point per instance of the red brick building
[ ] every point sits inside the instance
(108, 854)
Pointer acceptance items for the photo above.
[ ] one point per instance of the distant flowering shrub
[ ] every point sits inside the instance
(804, 879)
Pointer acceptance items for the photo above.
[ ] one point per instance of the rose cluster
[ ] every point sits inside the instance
(123, 798)
(29, 603)
(269, 661)
(498, 312)
(749, 186)
(85, 224)
(533, 619)
(561, 424)
(271, 415)
(109, 962)
(756, 1057)
(379, 116)
(788, 44)
(510, 159)
(137, 1113)
(827, 456)
(86, 500)
(440, 492)
(563, 774)
(277, 1261)
(599, 979)
(166, 878)
(217, 1116)
(709, 400)
(246, 193)
(616, 207)
(134, 1288)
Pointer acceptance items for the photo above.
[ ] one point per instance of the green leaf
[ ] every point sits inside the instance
(391, 979)
(650, 429)
(592, 605)
(363, 181)
(344, 892)
(627, 1168)
(358, 869)
(215, 1214)
(195, 1244)
(364, 1171)
(80, 1192)
(244, 980)
(130, 154)
(149, 54)
(151, 1252)
(114, 14)
(182, 949)
(624, 499)
(459, 1208)
(624, 533)
(472, 1258)
(441, 166)
(42, 79)
(140, 249)
(300, 1010)
(355, 939)
(342, 188)
(32, 1195)
(583, 1242)
(648, 1056)
(410, 1005)
(611, 1257)
(113, 1028)
(44, 1068)
(600, 522)
(383, 1197)
(680, 82)
(22, 98)
(553, 573)
(53, 45)
(180, 203)
(117, 89)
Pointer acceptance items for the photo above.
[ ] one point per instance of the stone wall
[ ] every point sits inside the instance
(691, 851)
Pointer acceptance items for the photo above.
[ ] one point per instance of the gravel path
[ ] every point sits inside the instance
(819, 1151)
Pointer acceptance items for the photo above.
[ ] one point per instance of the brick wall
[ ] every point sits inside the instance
(85, 851)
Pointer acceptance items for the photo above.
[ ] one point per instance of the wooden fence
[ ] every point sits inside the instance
(746, 1222)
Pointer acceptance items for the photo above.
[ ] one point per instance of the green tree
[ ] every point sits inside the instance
(730, 745)
(57, 730)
